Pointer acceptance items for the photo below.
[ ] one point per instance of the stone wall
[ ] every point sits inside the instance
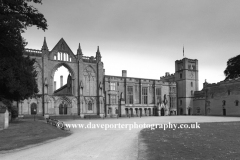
(218, 99)
(223, 98)
(4, 116)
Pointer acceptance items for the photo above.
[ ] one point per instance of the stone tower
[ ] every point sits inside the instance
(186, 76)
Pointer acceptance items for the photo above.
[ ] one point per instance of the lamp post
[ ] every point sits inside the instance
(34, 113)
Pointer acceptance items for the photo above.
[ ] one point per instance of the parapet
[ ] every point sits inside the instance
(33, 52)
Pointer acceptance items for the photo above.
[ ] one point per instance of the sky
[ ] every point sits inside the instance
(145, 37)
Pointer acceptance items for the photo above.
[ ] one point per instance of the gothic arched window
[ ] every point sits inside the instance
(61, 108)
(89, 81)
(65, 109)
(33, 108)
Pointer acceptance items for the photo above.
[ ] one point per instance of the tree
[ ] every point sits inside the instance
(17, 73)
(233, 68)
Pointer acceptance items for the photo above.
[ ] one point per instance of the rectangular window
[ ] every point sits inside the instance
(145, 95)
(112, 86)
(158, 94)
(130, 94)
(113, 99)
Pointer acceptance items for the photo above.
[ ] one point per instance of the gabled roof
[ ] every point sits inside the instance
(62, 91)
(62, 46)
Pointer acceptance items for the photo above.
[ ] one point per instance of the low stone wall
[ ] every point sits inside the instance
(4, 116)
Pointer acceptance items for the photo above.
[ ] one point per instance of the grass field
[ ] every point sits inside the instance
(211, 141)
(26, 132)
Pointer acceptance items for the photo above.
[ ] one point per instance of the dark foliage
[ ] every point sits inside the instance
(233, 68)
(17, 73)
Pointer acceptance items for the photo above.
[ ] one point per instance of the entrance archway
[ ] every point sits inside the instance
(140, 112)
(131, 112)
(224, 111)
(162, 112)
(63, 109)
(33, 108)
(181, 111)
(136, 111)
(189, 111)
(90, 106)
(126, 110)
(149, 111)
(155, 111)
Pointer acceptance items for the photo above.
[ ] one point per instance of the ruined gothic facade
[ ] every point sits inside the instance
(89, 92)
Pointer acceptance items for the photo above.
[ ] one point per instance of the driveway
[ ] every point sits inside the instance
(101, 144)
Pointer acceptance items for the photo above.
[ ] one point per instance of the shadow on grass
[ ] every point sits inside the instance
(22, 133)
(212, 141)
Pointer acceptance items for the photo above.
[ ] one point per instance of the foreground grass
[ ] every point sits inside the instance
(211, 141)
(26, 132)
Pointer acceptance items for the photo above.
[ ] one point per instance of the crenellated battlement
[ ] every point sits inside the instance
(223, 82)
(168, 77)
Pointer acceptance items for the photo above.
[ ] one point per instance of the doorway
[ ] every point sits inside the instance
(224, 111)
(162, 112)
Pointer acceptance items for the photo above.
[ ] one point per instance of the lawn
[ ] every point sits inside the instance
(211, 141)
(26, 132)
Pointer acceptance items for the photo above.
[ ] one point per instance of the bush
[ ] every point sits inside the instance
(14, 112)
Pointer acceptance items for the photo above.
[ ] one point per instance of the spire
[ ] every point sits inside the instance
(98, 52)
(44, 47)
(79, 52)
(183, 51)
(98, 55)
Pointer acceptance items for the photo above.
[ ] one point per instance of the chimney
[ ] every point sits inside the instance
(167, 74)
(61, 81)
(55, 85)
(124, 73)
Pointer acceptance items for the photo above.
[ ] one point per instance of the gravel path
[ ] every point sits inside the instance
(100, 144)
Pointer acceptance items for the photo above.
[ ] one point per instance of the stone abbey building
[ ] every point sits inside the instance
(89, 92)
